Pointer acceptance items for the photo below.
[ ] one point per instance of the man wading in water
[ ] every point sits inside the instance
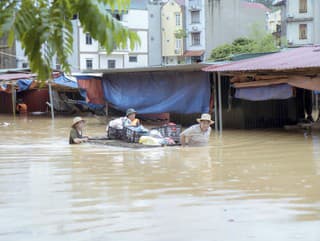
(197, 135)
(76, 136)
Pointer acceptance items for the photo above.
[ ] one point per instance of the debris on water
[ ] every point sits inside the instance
(4, 124)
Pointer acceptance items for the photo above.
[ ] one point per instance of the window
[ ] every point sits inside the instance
(195, 59)
(195, 17)
(303, 7)
(302, 31)
(178, 43)
(195, 38)
(118, 16)
(133, 59)
(178, 19)
(88, 39)
(111, 64)
(25, 65)
(89, 63)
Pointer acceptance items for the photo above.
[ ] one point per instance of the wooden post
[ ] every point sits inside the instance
(51, 100)
(215, 102)
(13, 98)
(220, 104)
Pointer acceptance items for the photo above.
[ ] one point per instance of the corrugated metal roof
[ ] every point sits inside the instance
(179, 67)
(291, 59)
(16, 76)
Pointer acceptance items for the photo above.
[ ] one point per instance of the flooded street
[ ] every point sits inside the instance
(249, 185)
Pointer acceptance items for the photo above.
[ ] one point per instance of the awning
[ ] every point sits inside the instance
(190, 53)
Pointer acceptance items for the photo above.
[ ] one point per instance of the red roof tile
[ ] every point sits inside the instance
(298, 58)
(191, 53)
(255, 5)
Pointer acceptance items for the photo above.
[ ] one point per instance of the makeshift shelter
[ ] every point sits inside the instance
(181, 89)
(271, 78)
(22, 84)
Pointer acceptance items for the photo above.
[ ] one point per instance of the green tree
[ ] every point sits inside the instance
(44, 28)
(258, 42)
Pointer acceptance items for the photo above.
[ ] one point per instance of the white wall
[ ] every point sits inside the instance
(85, 47)
(142, 61)
(293, 33)
(200, 26)
(84, 57)
(293, 27)
(104, 61)
(143, 35)
(293, 9)
(136, 19)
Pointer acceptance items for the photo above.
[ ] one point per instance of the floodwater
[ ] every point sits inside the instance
(247, 185)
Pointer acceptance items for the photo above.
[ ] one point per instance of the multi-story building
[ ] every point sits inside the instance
(154, 36)
(274, 25)
(8, 57)
(226, 20)
(94, 56)
(195, 28)
(88, 54)
(172, 30)
(300, 23)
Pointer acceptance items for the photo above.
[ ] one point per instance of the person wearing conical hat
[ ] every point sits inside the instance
(198, 134)
(76, 136)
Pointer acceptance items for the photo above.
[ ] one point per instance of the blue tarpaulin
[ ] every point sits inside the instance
(24, 84)
(158, 92)
(65, 81)
(279, 92)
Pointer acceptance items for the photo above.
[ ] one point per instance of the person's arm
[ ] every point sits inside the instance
(76, 138)
(183, 140)
(80, 140)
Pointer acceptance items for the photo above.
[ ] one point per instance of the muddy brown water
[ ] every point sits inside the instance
(248, 185)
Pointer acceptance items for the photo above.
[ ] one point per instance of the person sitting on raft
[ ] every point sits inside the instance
(131, 122)
(197, 134)
(130, 119)
(76, 136)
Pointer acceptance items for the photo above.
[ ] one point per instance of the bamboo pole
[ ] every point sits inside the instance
(215, 102)
(13, 98)
(220, 104)
(51, 101)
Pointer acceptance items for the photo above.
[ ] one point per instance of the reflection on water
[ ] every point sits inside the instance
(249, 185)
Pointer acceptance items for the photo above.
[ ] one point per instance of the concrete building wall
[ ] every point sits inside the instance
(142, 60)
(316, 17)
(169, 27)
(74, 58)
(89, 56)
(295, 18)
(274, 19)
(293, 33)
(136, 20)
(227, 20)
(293, 9)
(193, 6)
(103, 59)
(154, 37)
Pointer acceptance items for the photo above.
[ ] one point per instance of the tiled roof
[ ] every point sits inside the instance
(255, 6)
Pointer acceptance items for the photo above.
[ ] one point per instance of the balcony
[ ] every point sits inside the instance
(291, 19)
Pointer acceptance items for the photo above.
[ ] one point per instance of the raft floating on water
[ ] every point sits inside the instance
(121, 143)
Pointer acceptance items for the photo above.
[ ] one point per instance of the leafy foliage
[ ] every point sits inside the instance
(180, 33)
(44, 28)
(258, 42)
